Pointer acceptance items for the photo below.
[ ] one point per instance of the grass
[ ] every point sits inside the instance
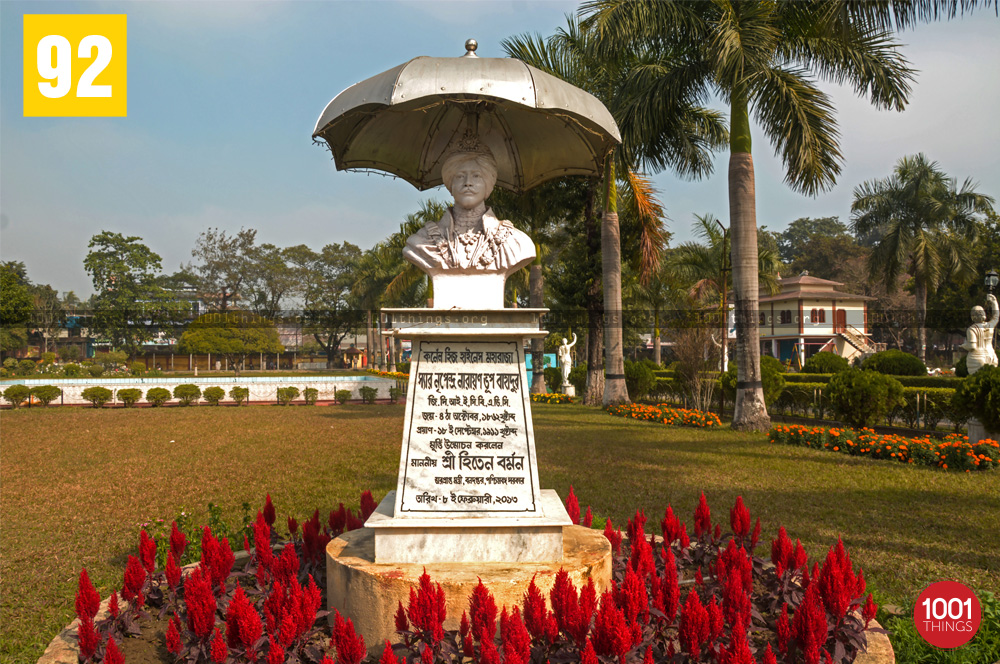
(75, 484)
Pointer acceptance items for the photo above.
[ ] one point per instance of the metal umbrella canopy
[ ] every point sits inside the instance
(404, 120)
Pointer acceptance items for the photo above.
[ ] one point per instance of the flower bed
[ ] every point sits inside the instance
(953, 452)
(736, 608)
(551, 398)
(666, 414)
(395, 375)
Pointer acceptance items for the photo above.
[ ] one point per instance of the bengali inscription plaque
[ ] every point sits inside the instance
(468, 447)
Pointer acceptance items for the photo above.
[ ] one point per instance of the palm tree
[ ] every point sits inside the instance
(925, 226)
(706, 267)
(683, 134)
(762, 57)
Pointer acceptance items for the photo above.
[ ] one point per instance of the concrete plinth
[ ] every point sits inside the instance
(568, 390)
(978, 432)
(370, 593)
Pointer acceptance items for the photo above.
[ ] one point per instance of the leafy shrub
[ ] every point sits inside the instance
(129, 396)
(112, 359)
(403, 367)
(578, 377)
(46, 394)
(343, 396)
(639, 379)
(15, 395)
(72, 370)
(97, 396)
(311, 395)
(214, 395)
(553, 379)
(551, 398)
(154, 373)
(69, 353)
(4, 373)
(825, 362)
(895, 363)
(158, 396)
(95, 370)
(394, 394)
(962, 367)
(187, 394)
(48, 358)
(368, 394)
(137, 368)
(862, 398)
(239, 394)
(771, 375)
(10, 364)
(26, 367)
(979, 396)
(286, 395)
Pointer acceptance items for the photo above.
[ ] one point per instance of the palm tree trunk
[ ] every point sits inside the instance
(370, 340)
(920, 293)
(536, 284)
(750, 412)
(611, 262)
(594, 392)
(657, 354)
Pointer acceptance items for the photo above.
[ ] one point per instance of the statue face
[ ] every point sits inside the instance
(468, 185)
(978, 314)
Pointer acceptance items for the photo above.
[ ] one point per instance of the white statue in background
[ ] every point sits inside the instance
(979, 337)
(565, 361)
(469, 241)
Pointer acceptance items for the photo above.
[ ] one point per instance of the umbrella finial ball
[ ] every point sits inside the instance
(470, 47)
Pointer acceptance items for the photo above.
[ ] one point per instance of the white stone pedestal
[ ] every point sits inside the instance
(978, 432)
(568, 389)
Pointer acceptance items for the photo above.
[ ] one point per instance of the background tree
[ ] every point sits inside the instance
(760, 57)
(16, 306)
(233, 334)
(329, 311)
(128, 304)
(924, 222)
(223, 264)
(50, 316)
(272, 278)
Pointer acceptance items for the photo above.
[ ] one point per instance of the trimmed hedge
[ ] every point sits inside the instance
(979, 397)
(368, 394)
(214, 395)
(287, 395)
(97, 396)
(239, 395)
(45, 394)
(895, 363)
(129, 396)
(157, 396)
(187, 394)
(825, 362)
(15, 395)
(343, 396)
(862, 398)
(311, 395)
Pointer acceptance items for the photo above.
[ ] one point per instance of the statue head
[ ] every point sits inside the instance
(978, 314)
(565, 342)
(470, 175)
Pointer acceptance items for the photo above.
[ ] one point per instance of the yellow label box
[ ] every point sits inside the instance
(75, 65)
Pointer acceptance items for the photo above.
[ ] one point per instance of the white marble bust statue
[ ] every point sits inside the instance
(979, 337)
(469, 253)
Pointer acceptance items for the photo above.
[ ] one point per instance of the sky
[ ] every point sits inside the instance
(223, 98)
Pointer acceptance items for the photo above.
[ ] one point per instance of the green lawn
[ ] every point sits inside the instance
(75, 484)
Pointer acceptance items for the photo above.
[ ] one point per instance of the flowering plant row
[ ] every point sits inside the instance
(736, 608)
(395, 375)
(666, 414)
(551, 398)
(953, 452)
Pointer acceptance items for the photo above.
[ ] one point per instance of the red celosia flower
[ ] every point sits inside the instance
(768, 657)
(868, 613)
(611, 634)
(535, 612)
(739, 649)
(337, 520)
(565, 602)
(269, 514)
(135, 578)
(573, 506)
(173, 572)
(588, 656)
(837, 582)
(353, 522)
(859, 587)
(685, 540)
(350, 646)
(783, 629)
(293, 526)
(715, 619)
(87, 599)
(243, 625)
(463, 625)
(636, 527)
(113, 605)
(781, 552)
(200, 603)
(632, 597)
(809, 625)
(827, 658)
(670, 593)
(718, 533)
(755, 537)
(246, 543)
(694, 627)
(488, 654)
(111, 654)
(614, 537)
(670, 526)
(286, 566)
(482, 613)
(648, 659)
(799, 559)
(735, 603)
(514, 638)
(426, 608)
(274, 607)
(174, 644)
(588, 518)
(388, 656)
(702, 517)
(288, 630)
(147, 551)
(734, 561)
(402, 624)
(178, 541)
(698, 579)
(309, 605)
(739, 518)
(468, 648)
(87, 638)
(368, 505)
(262, 547)
(641, 559)
(275, 653)
(219, 649)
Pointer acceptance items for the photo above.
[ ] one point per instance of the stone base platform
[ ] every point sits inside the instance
(369, 593)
